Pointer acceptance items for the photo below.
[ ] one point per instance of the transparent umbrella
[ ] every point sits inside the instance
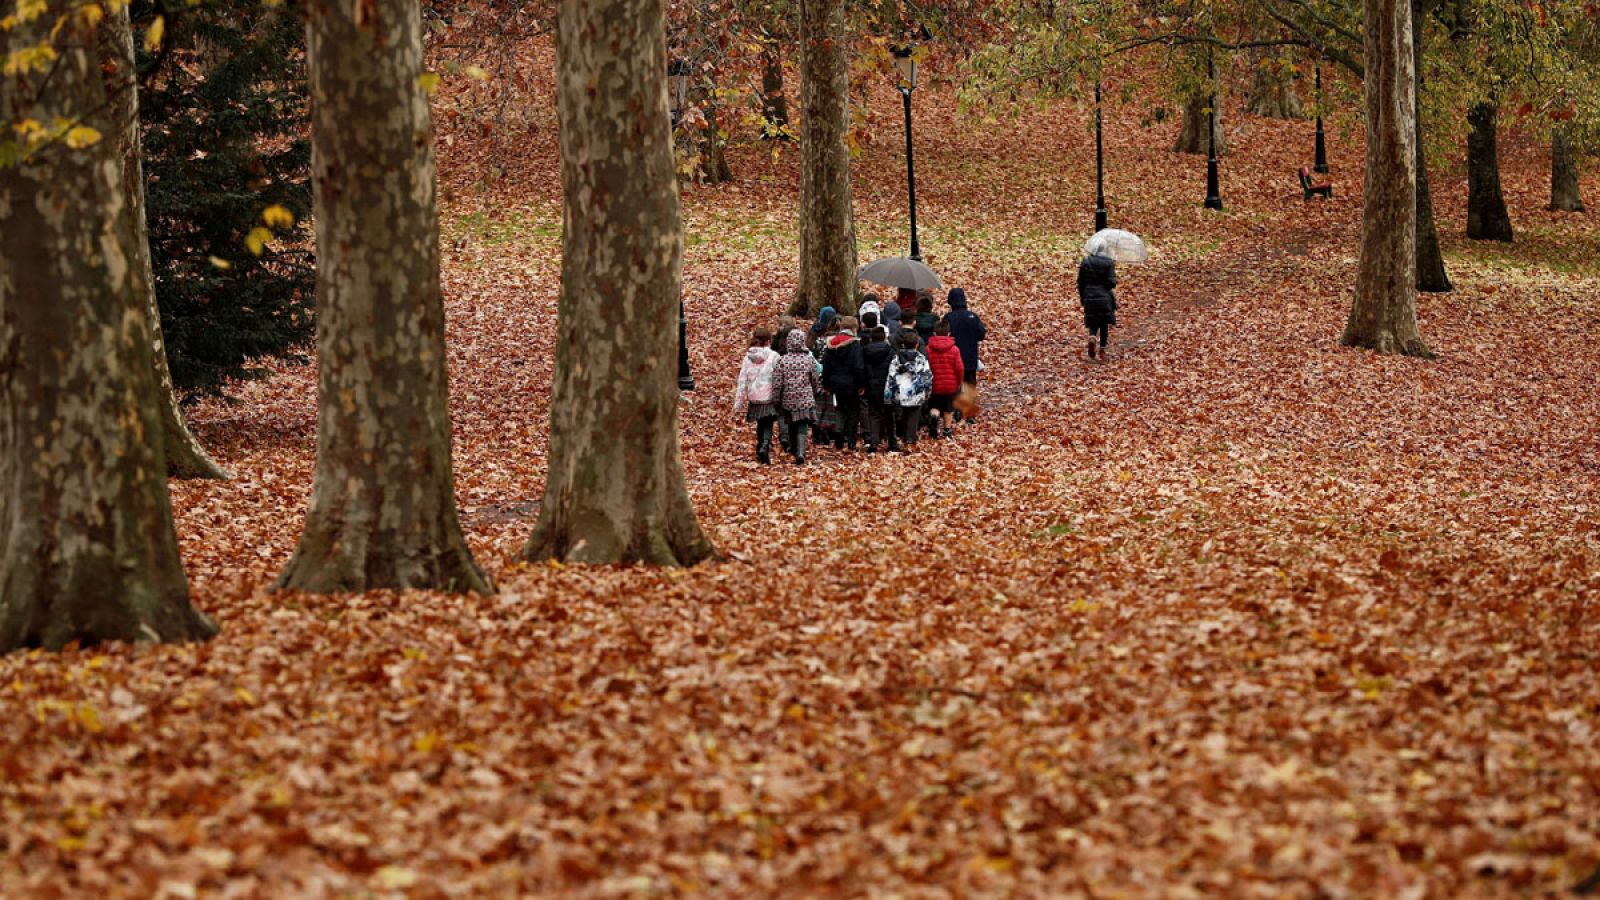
(1122, 246)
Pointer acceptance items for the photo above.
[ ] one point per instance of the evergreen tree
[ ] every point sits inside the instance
(224, 112)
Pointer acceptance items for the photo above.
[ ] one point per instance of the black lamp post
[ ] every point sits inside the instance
(685, 378)
(1213, 182)
(1099, 166)
(678, 73)
(906, 61)
(1321, 164)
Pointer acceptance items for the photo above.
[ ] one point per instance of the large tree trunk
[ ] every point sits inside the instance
(1384, 314)
(615, 490)
(774, 103)
(1431, 275)
(1192, 136)
(382, 511)
(87, 547)
(1487, 219)
(1564, 195)
(185, 457)
(1272, 91)
(827, 221)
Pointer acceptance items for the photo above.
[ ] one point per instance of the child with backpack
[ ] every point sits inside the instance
(752, 396)
(907, 388)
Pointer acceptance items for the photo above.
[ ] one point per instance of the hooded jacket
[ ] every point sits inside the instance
(945, 361)
(876, 356)
(825, 317)
(910, 380)
(926, 322)
(1097, 282)
(844, 369)
(794, 381)
(966, 328)
(870, 306)
(891, 322)
(755, 378)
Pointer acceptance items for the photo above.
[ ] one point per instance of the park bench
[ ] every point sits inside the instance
(1313, 188)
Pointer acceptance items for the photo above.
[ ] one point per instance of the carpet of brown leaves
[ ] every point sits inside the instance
(1241, 613)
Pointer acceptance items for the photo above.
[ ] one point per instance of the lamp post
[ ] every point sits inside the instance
(1321, 164)
(678, 85)
(1099, 166)
(685, 377)
(905, 61)
(1213, 182)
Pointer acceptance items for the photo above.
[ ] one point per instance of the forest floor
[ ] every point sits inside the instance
(1239, 613)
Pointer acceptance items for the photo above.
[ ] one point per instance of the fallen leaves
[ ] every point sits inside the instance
(1240, 613)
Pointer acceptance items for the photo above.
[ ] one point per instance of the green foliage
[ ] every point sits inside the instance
(224, 112)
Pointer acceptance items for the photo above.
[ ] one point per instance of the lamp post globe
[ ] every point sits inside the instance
(905, 62)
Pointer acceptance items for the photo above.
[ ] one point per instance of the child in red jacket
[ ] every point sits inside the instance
(944, 358)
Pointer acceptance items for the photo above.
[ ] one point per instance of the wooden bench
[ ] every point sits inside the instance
(1314, 188)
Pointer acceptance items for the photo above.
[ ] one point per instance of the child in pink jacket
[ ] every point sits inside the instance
(753, 395)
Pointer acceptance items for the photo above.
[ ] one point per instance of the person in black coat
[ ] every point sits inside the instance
(968, 330)
(877, 354)
(844, 374)
(1097, 282)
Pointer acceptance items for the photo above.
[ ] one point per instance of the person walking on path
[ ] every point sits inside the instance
(877, 419)
(945, 362)
(926, 317)
(752, 396)
(891, 323)
(820, 328)
(1097, 282)
(794, 392)
(908, 387)
(844, 373)
(968, 331)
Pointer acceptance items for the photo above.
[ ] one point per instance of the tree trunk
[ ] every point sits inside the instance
(1487, 219)
(1192, 136)
(1272, 91)
(1384, 314)
(615, 489)
(711, 144)
(1564, 196)
(1431, 275)
(185, 457)
(87, 547)
(774, 104)
(827, 221)
(382, 511)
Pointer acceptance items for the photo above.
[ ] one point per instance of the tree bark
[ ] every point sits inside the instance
(710, 144)
(827, 220)
(382, 512)
(1272, 91)
(774, 103)
(615, 490)
(1192, 135)
(185, 457)
(1564, 194)
(1431, 275)
(1487, 218)
(1383, 316)
(88, 552)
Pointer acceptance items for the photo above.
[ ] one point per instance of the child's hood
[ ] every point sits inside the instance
(941, 343)
(796, 342)
(842, 339)
(760, 355)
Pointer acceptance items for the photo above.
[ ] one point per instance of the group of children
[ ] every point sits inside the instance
(867, 377)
